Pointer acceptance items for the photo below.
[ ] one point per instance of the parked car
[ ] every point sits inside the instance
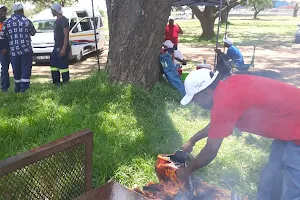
(82, 38)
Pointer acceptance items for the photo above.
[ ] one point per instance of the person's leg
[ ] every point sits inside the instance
(16, 65)
(54, 67)
(5, 82)
(271, 178)
(26, 68)
(63, 64)
(291, 172)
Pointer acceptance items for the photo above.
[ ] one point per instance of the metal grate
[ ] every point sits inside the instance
(60, 175)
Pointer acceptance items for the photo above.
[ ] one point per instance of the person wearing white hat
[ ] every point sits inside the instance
(59, 61)
(177, 54)
(233, 53)
(172, 31)
(253, 104)
(4, 52)
(18, 31)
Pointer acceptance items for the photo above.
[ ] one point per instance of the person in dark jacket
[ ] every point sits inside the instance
(4, 52)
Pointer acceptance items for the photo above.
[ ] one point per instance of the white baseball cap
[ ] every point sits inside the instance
(2, 6)
(18, 6)
(171, 17)
(196, 82)
(168, 44)
(228, 40)
(57, 7)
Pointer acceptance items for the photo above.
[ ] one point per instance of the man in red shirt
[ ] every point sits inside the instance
(257, 105)
(172, 31)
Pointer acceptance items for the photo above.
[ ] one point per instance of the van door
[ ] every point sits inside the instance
(100, 32)
(82, 37)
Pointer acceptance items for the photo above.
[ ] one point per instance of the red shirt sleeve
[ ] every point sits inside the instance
(223, 119)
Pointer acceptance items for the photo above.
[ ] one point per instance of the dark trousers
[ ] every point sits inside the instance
(59, 65)
(22, 66)
(5, 61)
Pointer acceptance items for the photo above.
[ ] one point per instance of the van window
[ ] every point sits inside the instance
(73, 23)
(95, 20)
(42, 26)
(86, 24)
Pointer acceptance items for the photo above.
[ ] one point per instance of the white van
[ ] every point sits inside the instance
(82, 37)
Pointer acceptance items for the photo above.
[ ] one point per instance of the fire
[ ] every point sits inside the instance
(170, 187)
(169, 184)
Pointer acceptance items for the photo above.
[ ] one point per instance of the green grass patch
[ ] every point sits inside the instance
(265, 32)
(131, 127)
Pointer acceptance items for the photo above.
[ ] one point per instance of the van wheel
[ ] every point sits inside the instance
(78, 58)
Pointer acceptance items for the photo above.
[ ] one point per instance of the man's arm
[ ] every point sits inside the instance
(180, 30)
(32, 29)
(188, 146)
(66, 39)
(207, 154)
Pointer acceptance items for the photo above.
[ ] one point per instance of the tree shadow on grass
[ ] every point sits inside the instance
(131, 126)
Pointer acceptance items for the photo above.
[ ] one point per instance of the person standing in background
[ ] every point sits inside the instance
(18, 31)
(59, 62)
(4, 52)
(172, 31)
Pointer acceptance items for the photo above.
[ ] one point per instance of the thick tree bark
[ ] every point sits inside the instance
(296, 8)
(136, 30)
(207, 21)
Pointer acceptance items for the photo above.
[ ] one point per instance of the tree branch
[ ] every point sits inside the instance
(227, 8)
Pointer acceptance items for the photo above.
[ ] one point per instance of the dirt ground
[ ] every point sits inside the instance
(280, 62)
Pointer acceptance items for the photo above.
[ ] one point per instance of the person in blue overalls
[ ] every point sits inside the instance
(169, 68)
(18, 31)
(59, 63)
(4, 52)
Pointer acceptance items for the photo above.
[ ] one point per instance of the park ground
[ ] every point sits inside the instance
(131, 126)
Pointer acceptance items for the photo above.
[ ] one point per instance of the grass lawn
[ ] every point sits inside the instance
(265, 32)
(131, 126)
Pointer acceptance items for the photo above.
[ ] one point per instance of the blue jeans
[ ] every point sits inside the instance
(5, 61)
(280, 178)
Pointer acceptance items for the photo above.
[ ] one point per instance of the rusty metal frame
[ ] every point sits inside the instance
(24, 159)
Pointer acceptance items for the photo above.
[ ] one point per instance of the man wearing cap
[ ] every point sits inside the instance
(4, 52)
(270, 112)
(233, 53)
(172, 31)
(59, 63)
(18, 31)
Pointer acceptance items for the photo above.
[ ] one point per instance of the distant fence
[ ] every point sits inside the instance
(56, 171)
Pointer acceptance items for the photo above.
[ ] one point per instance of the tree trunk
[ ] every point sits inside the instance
(193, 15)
(224, 16)
(296, 8)
(255, 14)
(207, 21)
(135, 39)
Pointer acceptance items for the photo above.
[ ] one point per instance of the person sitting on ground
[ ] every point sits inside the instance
(166, 58)
(178, 57)
(233, 53)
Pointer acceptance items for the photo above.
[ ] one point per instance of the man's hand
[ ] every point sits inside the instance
(62, 53)
(4, 51)
(188, 146)
(183, 173)
(218, 50)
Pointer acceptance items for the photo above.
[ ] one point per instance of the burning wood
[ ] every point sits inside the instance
(170, 187)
